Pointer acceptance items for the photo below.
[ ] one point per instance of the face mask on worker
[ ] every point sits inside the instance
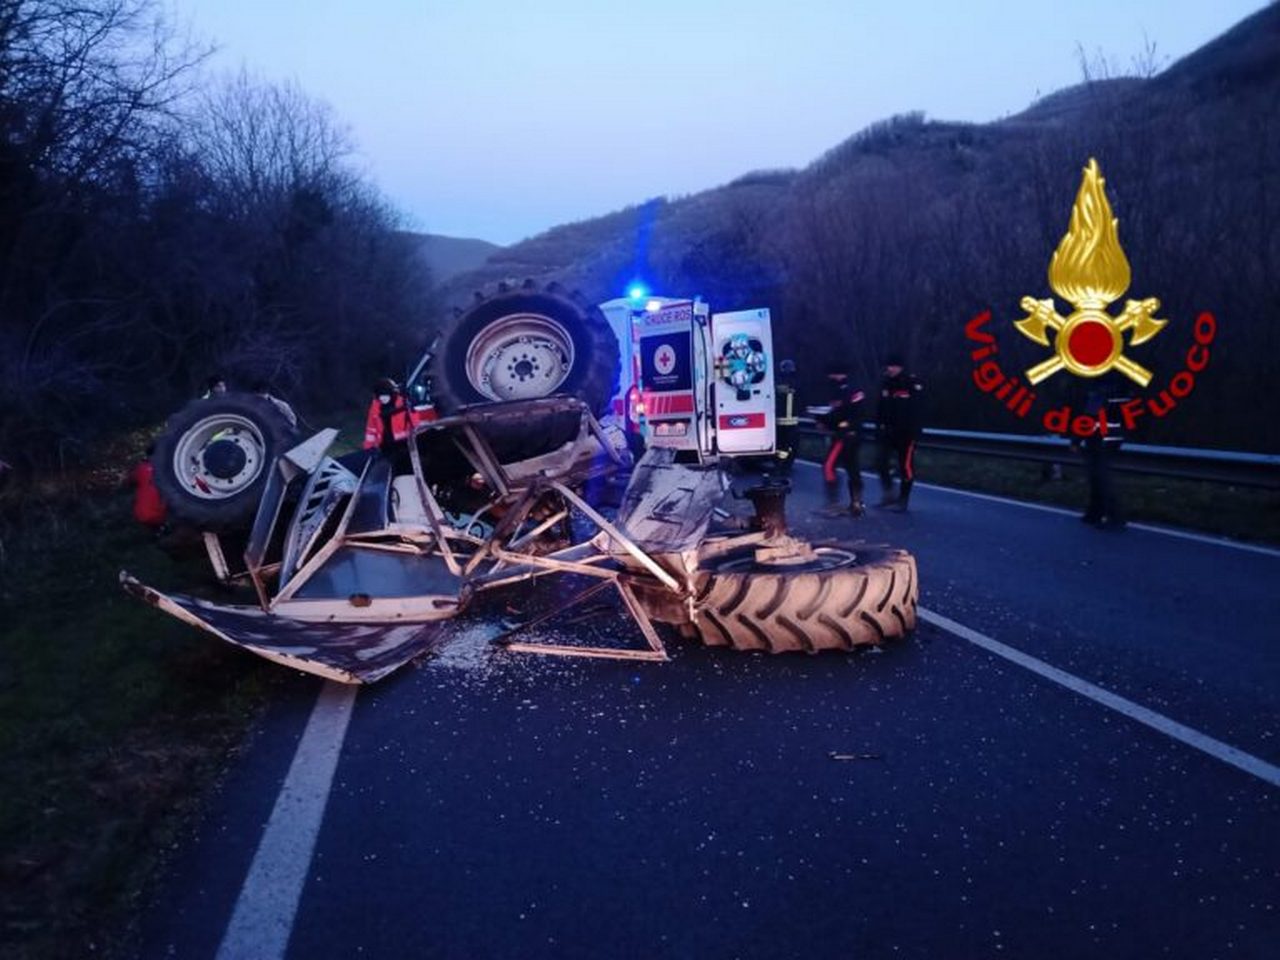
(384, 398)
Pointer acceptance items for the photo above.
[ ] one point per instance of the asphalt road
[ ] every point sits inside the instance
(486, 804)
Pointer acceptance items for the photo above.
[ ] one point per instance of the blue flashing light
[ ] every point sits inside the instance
(637, 292)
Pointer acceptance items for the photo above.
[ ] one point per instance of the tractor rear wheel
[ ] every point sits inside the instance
(842, 598)
(523, 343)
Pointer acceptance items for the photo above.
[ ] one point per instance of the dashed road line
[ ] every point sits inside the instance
(1170, 728)
(263, 918)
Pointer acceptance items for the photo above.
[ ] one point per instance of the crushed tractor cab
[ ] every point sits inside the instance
(360, 563)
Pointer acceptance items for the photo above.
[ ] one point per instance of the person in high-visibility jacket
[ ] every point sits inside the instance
(389, 418)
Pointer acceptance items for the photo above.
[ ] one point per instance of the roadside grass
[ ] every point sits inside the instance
(114, 719)
(1241, 513)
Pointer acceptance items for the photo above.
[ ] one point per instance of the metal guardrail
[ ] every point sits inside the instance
(1236, 468)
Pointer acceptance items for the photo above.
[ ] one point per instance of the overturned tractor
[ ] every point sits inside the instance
(359, 563)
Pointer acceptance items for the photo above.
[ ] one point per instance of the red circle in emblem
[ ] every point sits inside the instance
(1090, 343)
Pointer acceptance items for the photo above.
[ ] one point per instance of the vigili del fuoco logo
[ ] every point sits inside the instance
(1090, 271)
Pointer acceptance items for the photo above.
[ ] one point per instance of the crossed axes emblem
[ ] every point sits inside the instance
(1089, 270)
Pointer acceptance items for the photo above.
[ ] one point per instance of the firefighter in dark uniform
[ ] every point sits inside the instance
(785, 412)
(898, 426)
(843, 420)
(1102, 399)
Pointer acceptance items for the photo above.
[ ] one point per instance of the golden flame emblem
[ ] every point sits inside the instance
(1089, 270)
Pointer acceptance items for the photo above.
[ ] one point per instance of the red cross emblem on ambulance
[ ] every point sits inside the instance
(664, 360)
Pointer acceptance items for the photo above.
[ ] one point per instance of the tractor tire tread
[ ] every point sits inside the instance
(810, 610)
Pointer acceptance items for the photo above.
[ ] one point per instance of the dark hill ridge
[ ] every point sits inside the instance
(891, 237)
(448, 256)
(1243, 58)
(1068, 104)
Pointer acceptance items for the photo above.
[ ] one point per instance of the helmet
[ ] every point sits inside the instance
(787, 367)
(386, 385)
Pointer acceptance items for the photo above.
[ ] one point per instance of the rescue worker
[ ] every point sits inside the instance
(389, 418)
(785, 412)
(148, 509)
(421, 407)
(898, 428)
(1098, 449)
(843, 420)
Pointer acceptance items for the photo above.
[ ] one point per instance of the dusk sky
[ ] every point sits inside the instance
(500, 119)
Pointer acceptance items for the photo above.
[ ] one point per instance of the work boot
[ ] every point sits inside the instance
(833, 507)
(857, 508)
(900, 505)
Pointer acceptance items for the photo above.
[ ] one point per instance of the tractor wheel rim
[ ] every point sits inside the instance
(520, 357)
(825, 558)
(200, 478)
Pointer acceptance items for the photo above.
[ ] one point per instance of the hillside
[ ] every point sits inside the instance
(893, 238)
(448, 256)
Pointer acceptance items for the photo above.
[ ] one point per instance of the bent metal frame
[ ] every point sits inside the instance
(495, 546)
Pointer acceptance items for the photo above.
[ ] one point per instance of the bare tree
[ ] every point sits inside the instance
(86, 88)
(263, 143)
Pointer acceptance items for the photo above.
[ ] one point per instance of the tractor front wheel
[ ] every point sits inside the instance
(212, 460)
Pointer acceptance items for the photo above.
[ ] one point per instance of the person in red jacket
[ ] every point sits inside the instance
(389, 418)
(148, 509)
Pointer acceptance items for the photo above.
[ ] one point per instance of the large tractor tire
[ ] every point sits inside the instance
(523, 343)
(841, 599)
(212, 460)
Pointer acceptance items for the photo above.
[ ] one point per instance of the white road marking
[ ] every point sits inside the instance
(263, 918)
(1204, 538)
(1164, 531)
(1156, 721)
(1045, 508)
(996, 498)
